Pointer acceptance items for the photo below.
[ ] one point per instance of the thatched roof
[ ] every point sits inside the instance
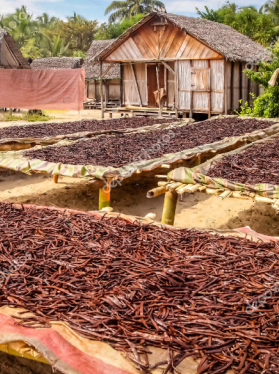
(223, 39)
(92, 69)
(14, 49)
(53, 63)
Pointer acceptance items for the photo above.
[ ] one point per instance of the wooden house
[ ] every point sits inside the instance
(111, 81)
(10, 55)
(53, 63)
(198, 64)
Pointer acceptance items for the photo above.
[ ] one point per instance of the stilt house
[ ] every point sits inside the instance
(10, 55)
(198, 63)
(111, 81)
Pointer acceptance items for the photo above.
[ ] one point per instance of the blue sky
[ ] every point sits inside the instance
(94, 9)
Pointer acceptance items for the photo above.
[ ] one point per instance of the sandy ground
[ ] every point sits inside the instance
(196, 210)
(63, 116)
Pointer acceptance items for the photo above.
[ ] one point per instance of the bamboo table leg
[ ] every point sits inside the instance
(169, 207)
(104, 195)
(55, 178)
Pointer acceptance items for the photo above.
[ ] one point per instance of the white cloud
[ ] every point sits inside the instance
(36, 7)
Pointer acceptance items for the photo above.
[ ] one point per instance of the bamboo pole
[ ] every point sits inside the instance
(55, 178)
(169, 207)
(104, 195)
(156, 191)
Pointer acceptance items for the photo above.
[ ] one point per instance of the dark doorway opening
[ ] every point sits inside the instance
(152, 82)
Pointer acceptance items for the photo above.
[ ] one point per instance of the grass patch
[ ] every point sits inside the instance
(34, 117)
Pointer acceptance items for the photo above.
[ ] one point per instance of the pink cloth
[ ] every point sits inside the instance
(42, 89)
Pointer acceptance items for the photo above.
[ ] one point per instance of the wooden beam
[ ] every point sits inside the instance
(107, 69)
(209, 93)
(136, 83)
(101, 87)
(168, 67)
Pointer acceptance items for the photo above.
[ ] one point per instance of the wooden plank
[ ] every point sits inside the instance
(183, 46)
(131, 46)
(165, 38)
(143, 46)
(107, 69)
(175, 46)
(165, 49)
(148, 35)
(168, 67)
(136, 83)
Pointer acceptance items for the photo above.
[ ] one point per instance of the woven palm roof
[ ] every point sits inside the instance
(92, 69)
(223, 39)
(53, 63)
(13, 47)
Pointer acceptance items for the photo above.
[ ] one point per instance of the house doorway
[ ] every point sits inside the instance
(152, 82)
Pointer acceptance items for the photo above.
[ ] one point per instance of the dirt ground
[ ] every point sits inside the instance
(63, 116)
(196, 210)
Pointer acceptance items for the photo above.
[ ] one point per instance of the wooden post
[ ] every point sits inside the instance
(209, 88)
(240, 84)
(176, 89)
(55, 178)
(232, 85)
(191, 94)
(169, 207)
(104, 195)
(158, 88)
(110, 114)
(121, 84)
(136, 83)
(225, 89)
(101, 85)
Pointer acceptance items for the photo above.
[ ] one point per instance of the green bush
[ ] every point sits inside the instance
(267, 104)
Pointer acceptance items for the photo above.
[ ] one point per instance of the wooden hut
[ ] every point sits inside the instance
(196, 64)
(53, 63)
(111, 80)
(10, 55)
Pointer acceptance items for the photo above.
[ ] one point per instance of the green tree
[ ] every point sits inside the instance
(247, 20)
(267, 104)
(123, 9)
(78, 32)
(114, 30)
(56, 47)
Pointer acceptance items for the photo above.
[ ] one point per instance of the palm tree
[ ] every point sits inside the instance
(21, 25)
(76, 18)
(56, 46)
(127, 8)
(271, 8)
